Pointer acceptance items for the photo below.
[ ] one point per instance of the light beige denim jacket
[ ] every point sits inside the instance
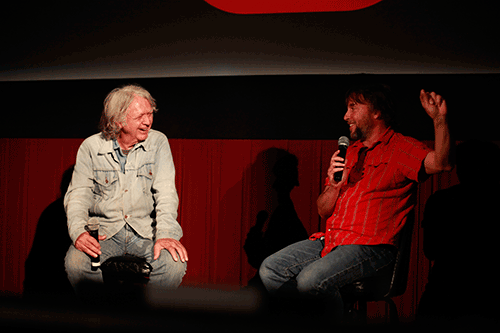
(145, 193)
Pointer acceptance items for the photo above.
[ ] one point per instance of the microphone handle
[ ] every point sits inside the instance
(95, 262)
(338, 175)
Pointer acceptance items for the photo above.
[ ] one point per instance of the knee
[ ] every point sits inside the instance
(308, 282)
(75, 260)
(170, 262)
(79, 273)
(314, 283)
(304, 283)
(266, 268)
(178, 268)
(165, 264)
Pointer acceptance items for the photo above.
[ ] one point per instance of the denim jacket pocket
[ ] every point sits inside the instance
(145, 175)
(105, 183)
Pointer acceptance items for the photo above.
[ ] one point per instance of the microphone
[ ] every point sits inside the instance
(93, 229)
(343, 144)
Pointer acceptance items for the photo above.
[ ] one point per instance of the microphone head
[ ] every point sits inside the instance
(93, 223)
(344, 141)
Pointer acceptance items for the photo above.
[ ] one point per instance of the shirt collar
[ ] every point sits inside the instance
(106, 147)
(383, 139)
(109, 146)
(117, 148)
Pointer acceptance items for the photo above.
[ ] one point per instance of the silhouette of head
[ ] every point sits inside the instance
(286, 172)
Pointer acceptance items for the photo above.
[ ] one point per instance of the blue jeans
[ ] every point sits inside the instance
(325, 276)
(166, 273)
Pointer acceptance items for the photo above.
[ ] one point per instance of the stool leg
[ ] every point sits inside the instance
(362, 305)
(393, 311)
(356, 313)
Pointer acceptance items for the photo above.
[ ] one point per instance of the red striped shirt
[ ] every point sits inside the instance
(371, 208)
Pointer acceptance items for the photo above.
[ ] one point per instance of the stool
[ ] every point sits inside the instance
(386, 284)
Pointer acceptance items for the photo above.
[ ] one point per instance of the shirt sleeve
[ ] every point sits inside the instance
(165, 194)
(78, 197)
(410, 158)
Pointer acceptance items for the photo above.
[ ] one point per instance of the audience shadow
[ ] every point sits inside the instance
(282, 227)
(461, 229)
(45, 277)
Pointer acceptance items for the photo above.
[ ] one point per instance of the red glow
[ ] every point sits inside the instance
(287, 6)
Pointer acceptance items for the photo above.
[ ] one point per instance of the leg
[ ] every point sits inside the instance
(78, 269)
(344, 265)
(286, 264)
(78, 264)
(166, 273)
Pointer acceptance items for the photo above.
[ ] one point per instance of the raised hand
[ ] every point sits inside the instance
(434, 104)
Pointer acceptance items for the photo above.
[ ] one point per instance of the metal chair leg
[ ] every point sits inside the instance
(393, 311)
(363, 311)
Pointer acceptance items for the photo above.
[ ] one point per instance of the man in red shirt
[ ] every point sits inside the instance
(367, 209)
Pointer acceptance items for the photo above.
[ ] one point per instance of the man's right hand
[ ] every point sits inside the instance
(88, 244)
(336, 164)
(327, 199)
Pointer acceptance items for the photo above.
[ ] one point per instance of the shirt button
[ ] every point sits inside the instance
(126, 216)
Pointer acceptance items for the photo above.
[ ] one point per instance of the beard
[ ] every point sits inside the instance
(358, 134)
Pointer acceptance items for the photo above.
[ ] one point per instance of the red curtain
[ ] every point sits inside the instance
(222, 186)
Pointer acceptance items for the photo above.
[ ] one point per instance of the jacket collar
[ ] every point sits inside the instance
(108, 145)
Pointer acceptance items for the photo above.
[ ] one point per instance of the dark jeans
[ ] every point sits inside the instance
(325, 276)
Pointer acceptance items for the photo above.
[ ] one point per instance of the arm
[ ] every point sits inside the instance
(78, 197)
(439, 159)
(327, 199)
(165, 194)
(77, 201)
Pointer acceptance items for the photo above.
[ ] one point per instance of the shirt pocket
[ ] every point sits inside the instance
(377, 167)
(145, 177)
(382, 175)
(105, 184)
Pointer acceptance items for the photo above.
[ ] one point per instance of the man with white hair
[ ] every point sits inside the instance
(125, 177)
